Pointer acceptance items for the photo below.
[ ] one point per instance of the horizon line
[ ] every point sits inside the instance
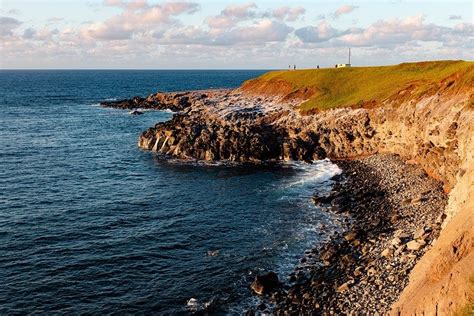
(217, 69)
(150, 69)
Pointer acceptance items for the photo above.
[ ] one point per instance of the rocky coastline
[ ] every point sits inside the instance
(400, 160)
(174, 101)
(393, 213)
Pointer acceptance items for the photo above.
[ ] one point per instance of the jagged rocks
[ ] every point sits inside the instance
(225, 125)
(129, 104)
(174, 101)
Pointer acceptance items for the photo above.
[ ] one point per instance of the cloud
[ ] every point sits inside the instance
(7, 25)
(288, 14)
(240, 11)
(455, 17)
(130, 5)
(387, 33)
(345, 9)
(316, 34)
(394, 31)
(232, 15)
(29, 33)
(261, 32)
(43, 34)
(108, 31)
(137, 17)
(184, 35)
(156, 34)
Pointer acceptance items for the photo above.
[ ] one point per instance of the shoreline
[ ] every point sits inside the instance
(384, 226)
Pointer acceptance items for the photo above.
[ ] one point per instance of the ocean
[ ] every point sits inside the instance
(91, 224)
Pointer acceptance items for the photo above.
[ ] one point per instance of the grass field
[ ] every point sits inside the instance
(358, 85)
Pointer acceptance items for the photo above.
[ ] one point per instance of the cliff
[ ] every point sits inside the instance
(423, 112)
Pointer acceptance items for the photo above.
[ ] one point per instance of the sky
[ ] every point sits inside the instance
(149, 34)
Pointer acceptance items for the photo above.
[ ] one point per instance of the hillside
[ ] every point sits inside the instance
(366, 87)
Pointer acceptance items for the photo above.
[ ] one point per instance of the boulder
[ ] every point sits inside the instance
(419, 233)
(414, 245)
(395, 241)
(136, 112)
(388, 252)
(327, 255)
(342, 288)
(266, 283)
(350, 236)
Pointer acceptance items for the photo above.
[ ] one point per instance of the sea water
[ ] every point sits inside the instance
(89, 223)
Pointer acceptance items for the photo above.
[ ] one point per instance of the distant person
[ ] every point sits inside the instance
(289, 67)
(294, 67)
(317, 67)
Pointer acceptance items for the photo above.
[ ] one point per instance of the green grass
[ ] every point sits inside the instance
(358, 85)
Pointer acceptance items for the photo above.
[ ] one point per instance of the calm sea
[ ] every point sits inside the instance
(91, 224)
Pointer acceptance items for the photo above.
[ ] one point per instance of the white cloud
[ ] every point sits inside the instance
(259, 33)
(232, 15)
(137, 16)
(345, 9)
(395, 31)
(142, 34)
(288, 14)
(384, 33)
(263, 31)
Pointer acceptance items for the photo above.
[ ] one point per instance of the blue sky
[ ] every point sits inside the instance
(228, 34)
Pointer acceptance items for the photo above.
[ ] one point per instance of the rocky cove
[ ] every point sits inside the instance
(407, 189)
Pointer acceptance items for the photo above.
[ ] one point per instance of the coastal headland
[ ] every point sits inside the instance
(403, 134)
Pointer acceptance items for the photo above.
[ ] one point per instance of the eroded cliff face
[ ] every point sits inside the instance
(434, 130)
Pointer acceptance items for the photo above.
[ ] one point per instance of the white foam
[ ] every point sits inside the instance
(317, 172)
(193, 305)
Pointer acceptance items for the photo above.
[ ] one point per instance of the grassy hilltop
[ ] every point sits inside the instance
(362, 86)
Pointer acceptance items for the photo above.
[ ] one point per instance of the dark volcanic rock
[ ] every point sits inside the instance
(264, 284)
(174, 101)
(136, 112)
(129, 104)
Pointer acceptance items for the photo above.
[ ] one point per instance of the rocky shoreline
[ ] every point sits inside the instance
(174, 101)
(394, 206)
(394, 213)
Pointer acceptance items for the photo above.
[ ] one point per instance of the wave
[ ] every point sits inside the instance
(318, 171)
(193, 305)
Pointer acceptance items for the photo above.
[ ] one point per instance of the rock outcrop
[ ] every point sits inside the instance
(434, 129)
(175, 101)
